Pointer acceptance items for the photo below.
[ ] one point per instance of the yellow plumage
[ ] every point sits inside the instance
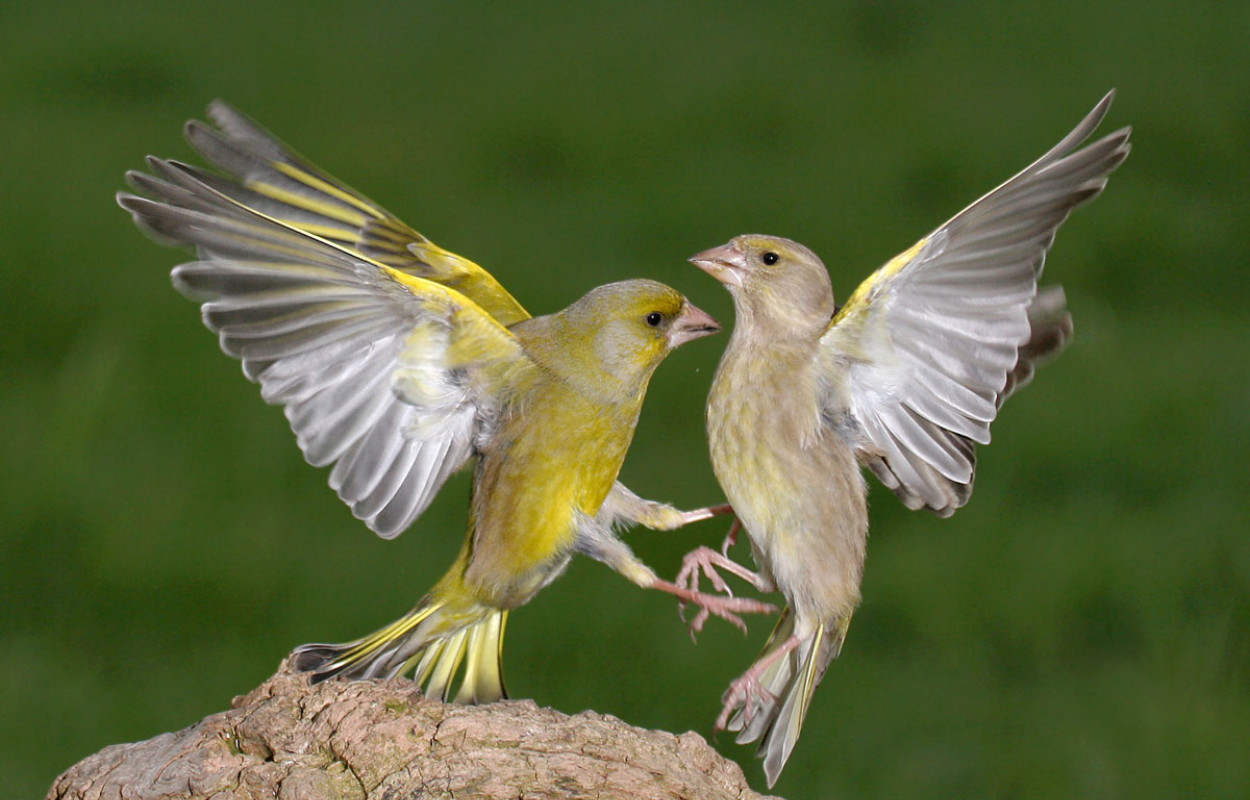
(397, 362)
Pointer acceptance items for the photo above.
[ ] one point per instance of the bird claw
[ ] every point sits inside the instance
(702, 559)
(727, 608)
(688, 578)
(747, 693)
(706, 560)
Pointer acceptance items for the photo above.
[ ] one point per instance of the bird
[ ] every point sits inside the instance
(398, 362)
(903, 379)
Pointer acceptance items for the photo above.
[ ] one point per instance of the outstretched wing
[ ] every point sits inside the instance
(389, 376)
(270, 177)
(925, 351)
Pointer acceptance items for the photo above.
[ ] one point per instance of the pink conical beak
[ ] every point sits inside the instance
(692, 323)
(723, 263)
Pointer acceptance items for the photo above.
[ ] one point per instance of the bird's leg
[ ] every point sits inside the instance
(727, 608)
(731, 538)
(623, 506)
(700, 514)
(748, 692)
(705, 560)
(599, 542)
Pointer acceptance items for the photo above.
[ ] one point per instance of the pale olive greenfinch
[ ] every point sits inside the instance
(904, 379)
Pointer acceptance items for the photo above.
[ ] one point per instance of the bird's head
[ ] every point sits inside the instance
(624, 330)
(773, 280)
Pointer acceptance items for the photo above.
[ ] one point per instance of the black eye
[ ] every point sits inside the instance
(770, 258)
(654, 318)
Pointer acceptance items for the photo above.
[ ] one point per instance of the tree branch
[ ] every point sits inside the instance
(370, 740)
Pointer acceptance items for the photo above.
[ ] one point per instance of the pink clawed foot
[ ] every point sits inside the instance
(706, 560)
(727, 608)
(748, 693)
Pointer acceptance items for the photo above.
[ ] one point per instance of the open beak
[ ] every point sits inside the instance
(723, 263)
(692, 323)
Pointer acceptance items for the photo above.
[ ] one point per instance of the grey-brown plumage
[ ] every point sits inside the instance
(904, 379)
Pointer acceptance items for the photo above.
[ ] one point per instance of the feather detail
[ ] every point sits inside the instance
(344, 342)
(926, 350)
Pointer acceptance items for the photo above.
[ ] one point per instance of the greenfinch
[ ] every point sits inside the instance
(905, 379)
(397, 362)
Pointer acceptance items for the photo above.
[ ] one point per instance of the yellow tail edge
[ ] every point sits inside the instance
(437, 644)
(792, 681)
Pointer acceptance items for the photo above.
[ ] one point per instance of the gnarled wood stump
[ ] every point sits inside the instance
(372, 740)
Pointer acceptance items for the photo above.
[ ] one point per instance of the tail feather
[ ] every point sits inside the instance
(782, 735)
(483, 672)
(775, 679)
(435, 641)
(1050, 331)
(439, 664)
(791, 682)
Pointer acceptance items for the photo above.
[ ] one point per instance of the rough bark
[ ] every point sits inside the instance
(371, 740)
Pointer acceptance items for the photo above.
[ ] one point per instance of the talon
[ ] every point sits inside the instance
(727, 608)
(706, 560)
(703, 561)
(747, 693)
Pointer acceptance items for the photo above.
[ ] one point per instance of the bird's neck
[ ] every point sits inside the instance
(764, 331)
(570, 358)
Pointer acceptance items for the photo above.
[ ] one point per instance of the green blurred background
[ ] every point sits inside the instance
(1082, 629)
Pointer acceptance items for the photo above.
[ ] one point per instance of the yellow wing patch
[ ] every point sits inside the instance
(862, 294)
(365, 231)
(478, 339)
(303, 176)
(471, 280)
(381, 236)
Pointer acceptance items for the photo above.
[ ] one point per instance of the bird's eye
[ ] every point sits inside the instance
(770, 258)
(654, 318)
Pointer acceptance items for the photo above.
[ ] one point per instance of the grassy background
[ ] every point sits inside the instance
(1082, 629)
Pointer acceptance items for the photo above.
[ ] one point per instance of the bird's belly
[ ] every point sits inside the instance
(527, 508)
(800, 497)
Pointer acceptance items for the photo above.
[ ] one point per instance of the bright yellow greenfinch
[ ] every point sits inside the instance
(397, 362)
(905, 379)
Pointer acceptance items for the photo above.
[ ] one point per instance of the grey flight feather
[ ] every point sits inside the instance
(324, 331)
(925, 352)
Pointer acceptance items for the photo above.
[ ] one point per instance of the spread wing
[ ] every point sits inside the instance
(387, 374)
(925, 351)
(268, 176)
